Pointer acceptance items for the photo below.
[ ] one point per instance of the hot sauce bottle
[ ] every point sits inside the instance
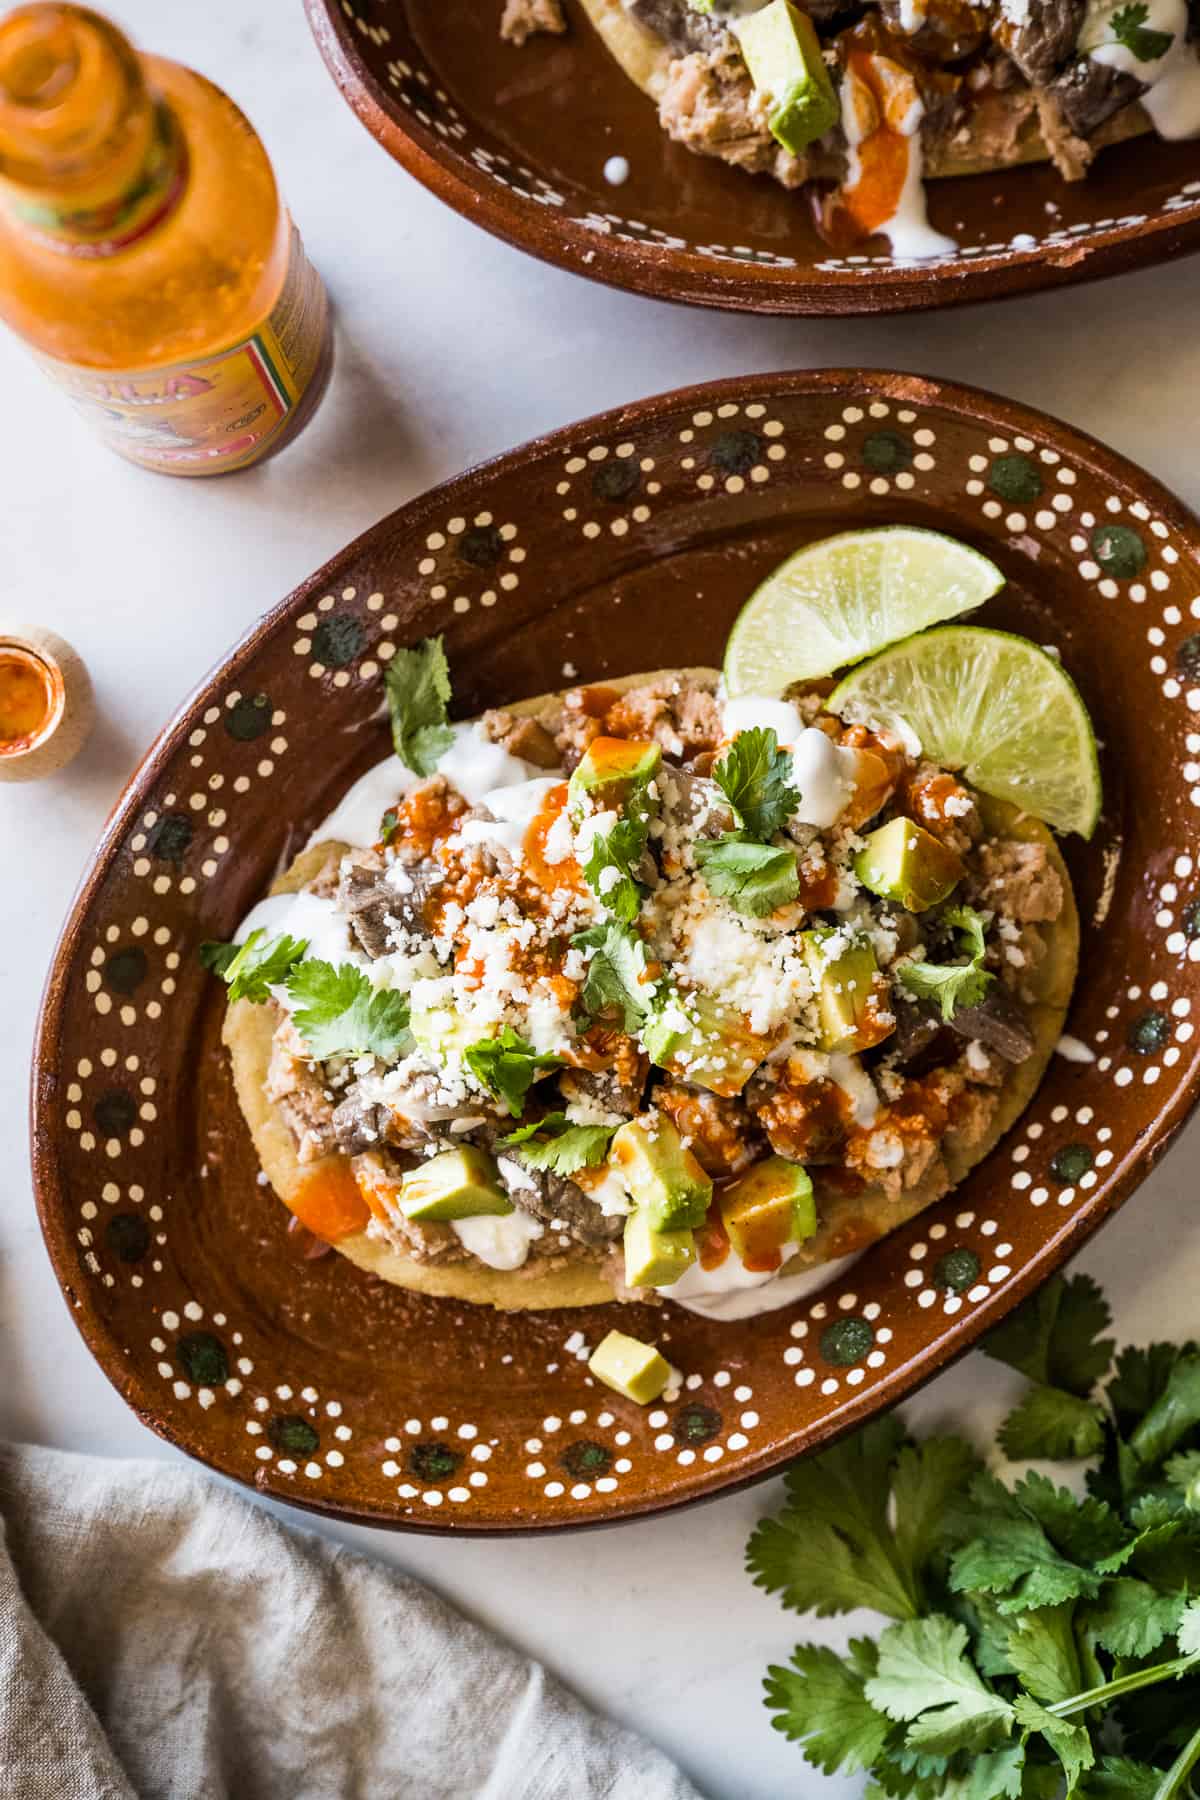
(145, 255)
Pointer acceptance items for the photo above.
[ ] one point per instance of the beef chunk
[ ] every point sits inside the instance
(617, 1090)
(720, 1132)
(1045, 39)
(359, 1124)
(556, 1200)
(376, 898)
(1088, 93)
(999, 1022)
(675, 22)
(523, 737)
(698, 804)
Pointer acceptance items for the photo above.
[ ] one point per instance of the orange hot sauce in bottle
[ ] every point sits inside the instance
(145, 254)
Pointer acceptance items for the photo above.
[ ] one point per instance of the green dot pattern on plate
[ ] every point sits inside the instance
(127, 1236)
(125, 969)
(886, 452)
(170, 838)
(481, 547)
(614, 481)
(847, 1341)
(1149, 1032)
(1187, 656)
(736, 452)
(1190, 919)
(1016, 479)
(291, 1432)
(696, 1423)
(250, 715)
(585, 1459)
(337, 640)
(115, 1113)
(1071, 1163)
(202, 1358)
(432, 1461)
(957, 1270)
(1119, 551)
(1025, 737)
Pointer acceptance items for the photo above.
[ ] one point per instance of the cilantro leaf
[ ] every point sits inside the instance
(617, 983)
(818, 1701)
(755, 777)
(1008, 1553)
(1088, 1531)
(252, 969)
(610, 868)
(1129, 28)
(954, 985)
(925, 1676)
(418, 691)
(1130, 1619)
(1142, 1374)
(996, 1775)
(831, 1549)
(1049, 1422)
(1175, 1412)
(339, 1013)
(551, 1143)
(508, 1067)
(1043, 1652)
(1120, 1778)
(754, 878)
(1072, 1744)
(925, 1477)
(1053, 1338)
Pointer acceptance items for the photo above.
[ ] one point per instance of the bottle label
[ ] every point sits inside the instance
(99, 231)
(219, 413)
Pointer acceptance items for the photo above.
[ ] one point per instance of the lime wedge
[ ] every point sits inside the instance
(992, 705)
(835, 602)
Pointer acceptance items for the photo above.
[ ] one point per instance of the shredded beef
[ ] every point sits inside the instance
(526, 738)
(678, 715)
(1017, 880)
(710, 105)
(298, 1089)
(721, 1133)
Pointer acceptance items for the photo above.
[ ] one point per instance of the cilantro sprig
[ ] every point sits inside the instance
(508, 1067)
(755, 777)
(954, 985)
(617, 987)
(1129, 28)
(754, 878)
(743, 866)
(252, 969)
(556, 1145)
(611, 864)
(1027, 1622)
(418, 692)
(338, 1012)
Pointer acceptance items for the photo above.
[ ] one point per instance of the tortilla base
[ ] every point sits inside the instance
(646, 59)
(850, 1223)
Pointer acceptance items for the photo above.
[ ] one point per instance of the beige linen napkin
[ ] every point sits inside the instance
(162, 1639)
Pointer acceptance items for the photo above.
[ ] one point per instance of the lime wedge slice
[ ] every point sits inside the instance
(992, 705)
(835, 602)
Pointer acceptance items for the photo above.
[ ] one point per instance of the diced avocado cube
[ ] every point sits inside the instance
(851, 1005)
(905, 863)
(664, 1180)
(630, 1367)
(457, 1184)
(612, 769)
(717, 1050)
(769, 1206)
(655, 1258)
(783, 54)
(440, 1031)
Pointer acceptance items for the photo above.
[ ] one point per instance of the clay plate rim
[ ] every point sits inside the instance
(975, 405)
(666, 273)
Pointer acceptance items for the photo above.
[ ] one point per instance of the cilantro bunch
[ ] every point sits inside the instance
(1042, 1645)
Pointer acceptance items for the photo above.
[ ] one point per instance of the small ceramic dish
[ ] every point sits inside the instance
(517, 141)
(625, 542)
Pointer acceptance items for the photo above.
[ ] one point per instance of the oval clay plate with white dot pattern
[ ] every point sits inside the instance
(518, 140)
(626, 542)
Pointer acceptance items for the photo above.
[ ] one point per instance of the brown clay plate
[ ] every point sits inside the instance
(626, 542)
(516, 140)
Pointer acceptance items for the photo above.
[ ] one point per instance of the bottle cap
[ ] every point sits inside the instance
(46, 703)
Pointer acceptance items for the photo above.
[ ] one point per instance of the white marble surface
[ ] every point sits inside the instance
(452, 347)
